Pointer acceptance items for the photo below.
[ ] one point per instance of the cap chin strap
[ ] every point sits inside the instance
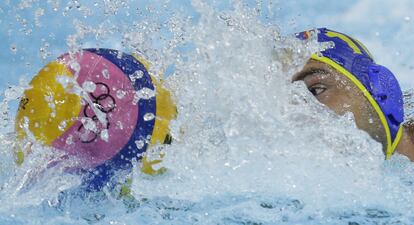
(391, 145)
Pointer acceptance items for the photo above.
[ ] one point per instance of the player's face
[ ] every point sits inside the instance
(338, 93)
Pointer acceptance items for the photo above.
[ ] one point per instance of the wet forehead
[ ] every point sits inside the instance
(313, 67)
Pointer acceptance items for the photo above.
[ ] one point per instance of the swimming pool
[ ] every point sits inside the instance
(250, 147)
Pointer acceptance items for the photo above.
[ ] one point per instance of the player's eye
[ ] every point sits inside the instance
(317, 89)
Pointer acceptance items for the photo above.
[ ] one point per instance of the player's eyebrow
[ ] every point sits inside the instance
(309, 71)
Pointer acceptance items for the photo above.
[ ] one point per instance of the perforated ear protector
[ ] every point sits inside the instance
(387, 93)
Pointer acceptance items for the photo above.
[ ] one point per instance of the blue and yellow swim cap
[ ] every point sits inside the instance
(378, 84)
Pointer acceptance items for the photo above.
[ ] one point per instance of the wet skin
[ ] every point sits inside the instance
(338, 93)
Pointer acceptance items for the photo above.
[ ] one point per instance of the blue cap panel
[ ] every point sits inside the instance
(99, 176)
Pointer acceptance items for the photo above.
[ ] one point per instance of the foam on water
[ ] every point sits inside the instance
(249, 146)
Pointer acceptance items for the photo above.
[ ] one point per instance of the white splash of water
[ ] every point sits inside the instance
(243, 128)
(248, 145)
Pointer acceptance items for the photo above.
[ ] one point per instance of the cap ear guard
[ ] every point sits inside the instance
(387, 93)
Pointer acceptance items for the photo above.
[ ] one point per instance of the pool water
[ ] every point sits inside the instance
(249, 146)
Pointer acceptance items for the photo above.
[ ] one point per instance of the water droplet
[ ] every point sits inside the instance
(140, 144)
(89, 86)
(89, 124)
(136, 75)
(39, 13)
(48, 98)
(62, 125)
(145, 93)
(13, 93)
(120, 94)
(105, 73)
(407, 19)
(119, 125)
(69, 140)
(13, 48)
(149, 116)
(105, 135)
(75, 66)
(119, 55)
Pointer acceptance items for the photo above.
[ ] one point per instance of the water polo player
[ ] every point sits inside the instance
(99, 105)
(346, 78)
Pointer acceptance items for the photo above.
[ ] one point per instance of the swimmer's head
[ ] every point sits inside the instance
(346, 79)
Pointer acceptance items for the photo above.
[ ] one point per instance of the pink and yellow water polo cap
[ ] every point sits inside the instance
(99, 105)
